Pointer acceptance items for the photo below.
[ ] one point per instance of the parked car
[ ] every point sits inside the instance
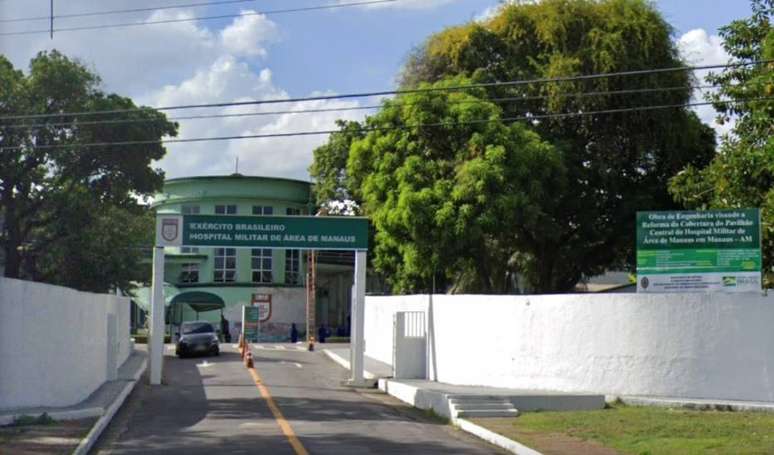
(197, 337)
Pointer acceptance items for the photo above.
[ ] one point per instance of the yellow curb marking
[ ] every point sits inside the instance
(287, 430)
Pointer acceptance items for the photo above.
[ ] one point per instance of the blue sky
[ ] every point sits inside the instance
(279, 56)
(363, 49)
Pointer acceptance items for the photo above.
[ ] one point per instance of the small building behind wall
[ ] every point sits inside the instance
(236, 276)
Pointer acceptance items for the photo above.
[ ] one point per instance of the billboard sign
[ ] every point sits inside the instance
(699, 251)
(285, 232)
(250, 319)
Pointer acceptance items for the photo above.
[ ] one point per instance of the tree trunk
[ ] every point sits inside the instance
(12, 240)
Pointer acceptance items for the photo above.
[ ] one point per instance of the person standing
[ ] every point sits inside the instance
(322, 333)
(224, 329)
(293, 333)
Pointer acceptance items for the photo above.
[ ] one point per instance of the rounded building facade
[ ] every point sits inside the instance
(214, 283)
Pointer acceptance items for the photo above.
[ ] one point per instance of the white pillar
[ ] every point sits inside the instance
(156, 339)
(357, 343)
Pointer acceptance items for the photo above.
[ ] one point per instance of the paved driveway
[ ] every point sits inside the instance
(212, 405)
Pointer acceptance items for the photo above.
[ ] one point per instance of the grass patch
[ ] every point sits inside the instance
(25, 420)
(337, 340)
(143, 339)
(647, 430)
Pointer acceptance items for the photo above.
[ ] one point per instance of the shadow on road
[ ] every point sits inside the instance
(216, 408)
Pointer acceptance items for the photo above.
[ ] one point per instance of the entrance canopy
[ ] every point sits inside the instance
(142, 296)
(200, 301)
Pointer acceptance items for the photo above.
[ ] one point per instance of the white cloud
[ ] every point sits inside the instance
(699, 48)
(231, 79)
(493, 10)
(189, 63)
(130, 60)
(290, 156)
(404, 4)
(247, 35)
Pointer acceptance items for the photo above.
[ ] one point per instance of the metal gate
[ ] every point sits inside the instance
(409, 360)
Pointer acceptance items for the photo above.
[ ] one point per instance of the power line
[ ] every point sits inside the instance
(357, 108)
(390, 128)
(200, 18)
(123, 11)
(402, 92)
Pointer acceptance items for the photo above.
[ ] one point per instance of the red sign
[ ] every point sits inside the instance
(263, 302)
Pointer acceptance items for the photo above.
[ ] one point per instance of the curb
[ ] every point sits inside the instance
(88, 441)
(494, 438)
(345, 363)
(698, 404)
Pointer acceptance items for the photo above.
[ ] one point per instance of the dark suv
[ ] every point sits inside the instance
(197, 338)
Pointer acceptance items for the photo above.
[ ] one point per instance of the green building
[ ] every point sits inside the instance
(205, 283)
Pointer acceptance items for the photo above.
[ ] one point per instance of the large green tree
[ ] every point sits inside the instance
(613, 164)
(456, 201)
(742, 173)
(49, 181)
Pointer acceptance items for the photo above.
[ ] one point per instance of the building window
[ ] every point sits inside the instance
(263, 210)
(230, 209)
(225, 265)
(292, 211)
(292, 266)
(188, 209)
(189, 273)
(261, 265)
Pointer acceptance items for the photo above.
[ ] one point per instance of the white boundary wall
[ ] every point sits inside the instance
(55, 344)
(714, 346)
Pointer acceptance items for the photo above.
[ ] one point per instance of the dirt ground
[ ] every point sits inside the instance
(60, 437)
(546, 443)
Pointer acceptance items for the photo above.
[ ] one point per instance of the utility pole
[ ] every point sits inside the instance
(311, 297)
(51, 20)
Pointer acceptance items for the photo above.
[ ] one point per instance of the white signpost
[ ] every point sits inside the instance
(271, 232)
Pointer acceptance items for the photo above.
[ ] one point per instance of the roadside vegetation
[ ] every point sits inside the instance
(495, 189)
(642, 430)
(43, 435)
(70, 212)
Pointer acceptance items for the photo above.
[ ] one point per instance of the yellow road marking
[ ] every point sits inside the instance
(287, 430)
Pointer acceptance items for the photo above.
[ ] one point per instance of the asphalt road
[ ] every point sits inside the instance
(211, 405)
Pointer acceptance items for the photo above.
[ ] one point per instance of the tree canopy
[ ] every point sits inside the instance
(599, 168)
(455, 201)
(741, 175)
(65, 206)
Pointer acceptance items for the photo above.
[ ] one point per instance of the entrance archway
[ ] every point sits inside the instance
(269, 232)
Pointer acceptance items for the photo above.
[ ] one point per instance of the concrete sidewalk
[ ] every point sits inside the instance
(97, 403)
(456, 401)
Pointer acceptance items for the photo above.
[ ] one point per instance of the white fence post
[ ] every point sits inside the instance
(156, 339)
